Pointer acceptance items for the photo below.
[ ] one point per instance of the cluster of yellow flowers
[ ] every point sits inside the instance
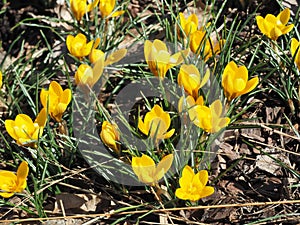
(80, 7)
(80, 48)
(275, 26)
(27, 132)
(156, 123)
(198, 39)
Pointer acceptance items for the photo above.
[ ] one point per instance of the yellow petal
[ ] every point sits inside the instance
(66, 96)
(169, 134)
(200, 100)
(197, 41)
(22, 173)
(9, 126)
(41, 118)
(6, 194)
(284, 16)
(118, 13)
(216, 107)
(203, 177)
(251, 84)
(206, 191)
(55, 87)
(69, 43)
(115, 56)
(287, 29)
(295, 49)
(179, 57)
(260, 24)
(159, 112)
(87, 48)
(97, 42)
(159, 45)
(144, 168)
(143, 161)
(163, 166)
(182, 194)
(98, 70)
(106, 7)
(92, 5)
(205, 78)
(95, 55)
(59, 111)
(81, 71)
(142, 126)
(25, 124)
(222, 122)
(147, 50)
(186, 177)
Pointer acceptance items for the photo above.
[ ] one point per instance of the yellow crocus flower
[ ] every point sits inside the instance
(78, 45)
(80, 7)
(159, 59)
(295, 51)
(11, 183)
(200, 44)
(208, 118)
(95, 53)
(106, 8)
(86, 75)
(235, 81)
(188, 25)
(189, 102)
(156, 124)
(146, 170)
(190, 78)
(275, 26)
(55, 100)
(110, 136)
(25, 131)
(193, 186)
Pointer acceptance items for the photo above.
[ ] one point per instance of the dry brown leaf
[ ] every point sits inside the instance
(85, 202)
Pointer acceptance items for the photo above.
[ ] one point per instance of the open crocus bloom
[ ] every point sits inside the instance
(190, 78)
(86, 75)
(24, 130)
(188, 25)
(159, 59)
(193, 186)
(209, 118)
(55, 100)
(80, 7)
(11, 183)
(275, 26)
(110, 136)
(295, 51)
(78, 45)
(156, 124)
(235, 81)
(146, 170)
